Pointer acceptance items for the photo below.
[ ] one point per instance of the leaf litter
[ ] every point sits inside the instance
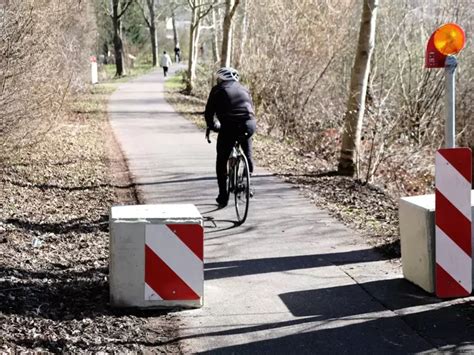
(54, 246)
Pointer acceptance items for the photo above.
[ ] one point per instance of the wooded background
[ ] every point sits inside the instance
(296, 56)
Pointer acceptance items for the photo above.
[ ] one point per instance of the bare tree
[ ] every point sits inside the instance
(215, 35)
(173, 7)
(226, 53)
(45, 50)
(355, 111)
(119, 7)
(199, 10)
(149, 15)
(243, 33)
(175, 29)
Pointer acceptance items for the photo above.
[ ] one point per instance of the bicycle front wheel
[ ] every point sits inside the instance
(242, 188)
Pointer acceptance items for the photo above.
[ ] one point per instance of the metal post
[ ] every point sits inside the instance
(450, 127)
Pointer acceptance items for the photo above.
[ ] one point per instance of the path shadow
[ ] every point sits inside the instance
(76, 225)
(449, 325)
(44, 187)
(208, 208)
(345, 320)
(329, 173)
(62, 294)
(328, 337)
(225, 269)
(351, 300)
(57, 346)
(127, 186)
(212, 225)
(98, 186)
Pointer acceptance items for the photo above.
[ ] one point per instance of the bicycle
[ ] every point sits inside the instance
(238, 179)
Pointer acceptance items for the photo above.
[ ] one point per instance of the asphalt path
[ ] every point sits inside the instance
(291, 279)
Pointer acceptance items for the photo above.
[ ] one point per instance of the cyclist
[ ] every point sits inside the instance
(232, 104)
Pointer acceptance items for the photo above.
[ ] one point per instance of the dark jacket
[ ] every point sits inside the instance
(232, 104)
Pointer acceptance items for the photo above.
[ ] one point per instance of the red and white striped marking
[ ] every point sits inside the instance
(174, 262)
(453, 222)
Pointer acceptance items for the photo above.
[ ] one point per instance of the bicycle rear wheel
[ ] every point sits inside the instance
(242, 188)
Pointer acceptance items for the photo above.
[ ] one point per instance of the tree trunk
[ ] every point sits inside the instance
(197, 33)
(153, 37)
(215, 38)
(231, 6)
(193, 50)
(226, 41)
(243, 35)
(118, 45)
(118, 49)
(198, 12)
(354, 116)
(175, 30)
(154, 45)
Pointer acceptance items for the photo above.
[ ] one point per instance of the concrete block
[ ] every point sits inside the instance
(156, 256)
(417, 239)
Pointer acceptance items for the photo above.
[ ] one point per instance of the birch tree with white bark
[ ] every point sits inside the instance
(226, 52)
(354, 116)
(199, 10)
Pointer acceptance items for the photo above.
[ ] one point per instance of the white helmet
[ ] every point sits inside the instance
(228, 74)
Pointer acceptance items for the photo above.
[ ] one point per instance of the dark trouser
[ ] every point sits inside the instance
(225, 142)
(165, 71)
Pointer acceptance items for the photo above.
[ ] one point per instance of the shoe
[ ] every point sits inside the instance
(252, 192)
(222, 201)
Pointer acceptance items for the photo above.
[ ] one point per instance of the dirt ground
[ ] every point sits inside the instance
(54, 240)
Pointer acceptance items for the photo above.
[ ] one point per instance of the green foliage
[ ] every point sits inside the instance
(108, 71)
(176, 82)
(135, 30)
(104, 28)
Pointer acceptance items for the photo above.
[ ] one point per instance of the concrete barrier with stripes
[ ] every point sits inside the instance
(417, 237)
(453, 223)
(156, 256)
(437, 252)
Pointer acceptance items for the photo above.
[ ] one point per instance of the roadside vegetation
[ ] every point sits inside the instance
(54, 240)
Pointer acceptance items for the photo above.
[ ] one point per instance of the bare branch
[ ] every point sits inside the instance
(129, 2)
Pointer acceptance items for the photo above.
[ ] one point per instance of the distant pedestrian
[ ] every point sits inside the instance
(165, 62)
(177, 54)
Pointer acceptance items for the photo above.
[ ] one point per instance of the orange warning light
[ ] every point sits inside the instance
(449, 39)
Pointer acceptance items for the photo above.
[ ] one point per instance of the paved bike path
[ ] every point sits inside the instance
(291, 279)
